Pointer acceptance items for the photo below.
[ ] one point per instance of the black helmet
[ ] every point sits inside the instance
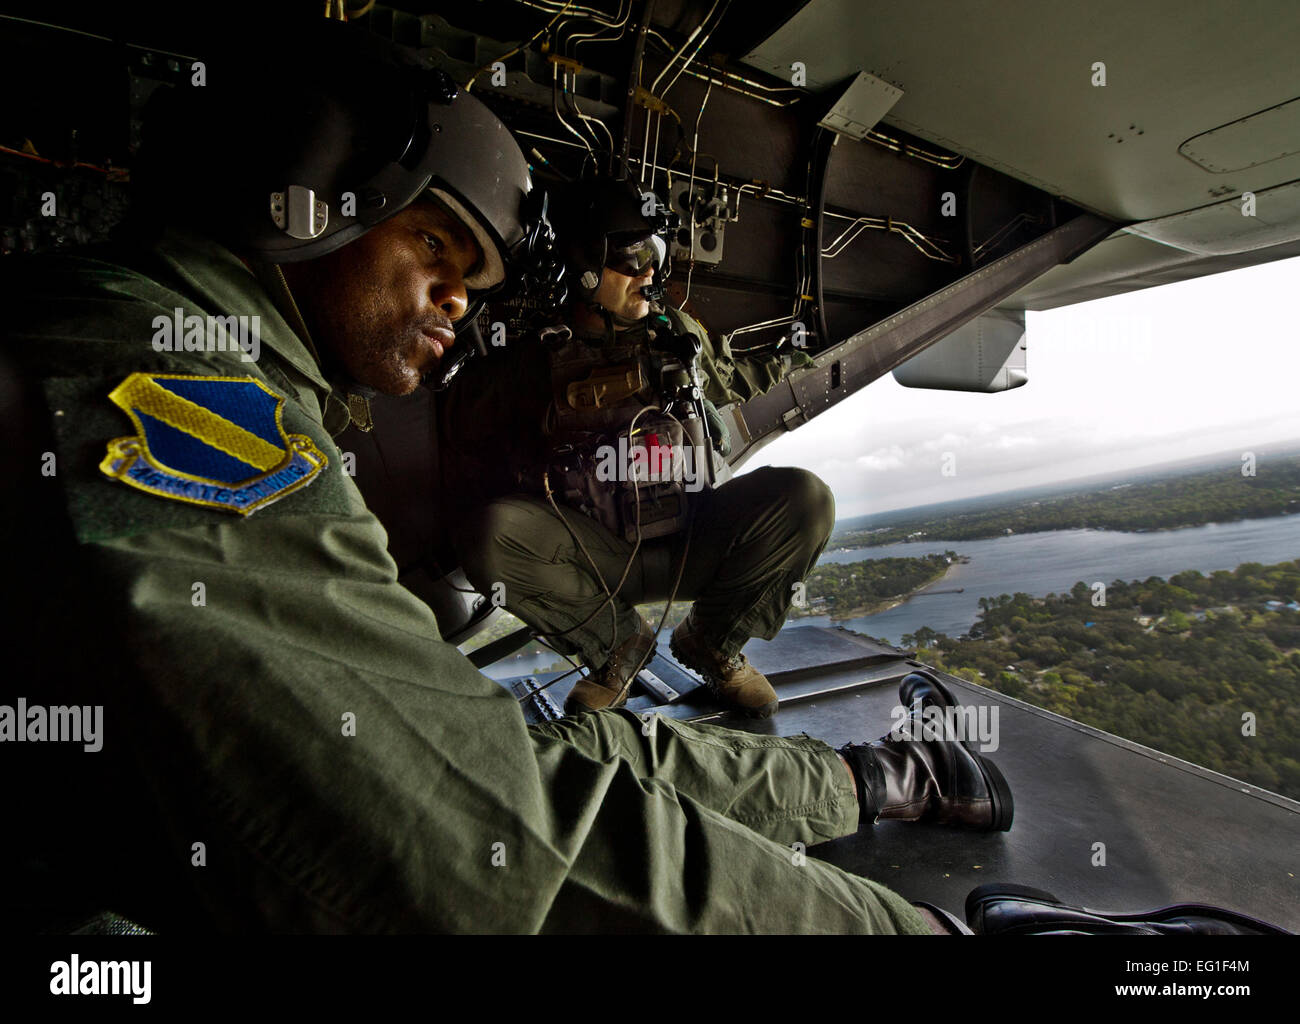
(290, 159)
(605, 223)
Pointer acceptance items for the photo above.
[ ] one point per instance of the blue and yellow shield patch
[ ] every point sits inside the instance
(213, 441)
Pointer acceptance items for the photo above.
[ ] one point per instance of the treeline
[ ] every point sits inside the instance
(858, 588)
(1201, 667)
(841, 591)
(1217, 496)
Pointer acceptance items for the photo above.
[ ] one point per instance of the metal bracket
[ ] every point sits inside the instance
(299, 213)
(876, 350)
(657, 686)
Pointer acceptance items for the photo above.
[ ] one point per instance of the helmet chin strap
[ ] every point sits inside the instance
(612, 324)
(616, 321)
(624, 321)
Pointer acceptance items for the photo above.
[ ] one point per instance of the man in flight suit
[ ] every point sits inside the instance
(749, 543)
(286, 742)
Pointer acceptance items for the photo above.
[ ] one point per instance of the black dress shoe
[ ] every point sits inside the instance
(999, 909)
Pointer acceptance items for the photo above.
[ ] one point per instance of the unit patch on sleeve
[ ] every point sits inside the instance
(213, 441)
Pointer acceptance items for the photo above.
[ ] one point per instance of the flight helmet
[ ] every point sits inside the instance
(609, 223)
(302, 154)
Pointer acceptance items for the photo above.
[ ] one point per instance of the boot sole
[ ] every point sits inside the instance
(998, 890)
(1004, 805)
(576, 707)
(766, 711)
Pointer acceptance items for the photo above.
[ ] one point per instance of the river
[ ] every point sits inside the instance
(1052, 562)
(1038, 564)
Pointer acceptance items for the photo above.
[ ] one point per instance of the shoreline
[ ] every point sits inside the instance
(884, 605)
(1064, 529)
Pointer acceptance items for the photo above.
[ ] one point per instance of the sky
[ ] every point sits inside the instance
(1152, 376)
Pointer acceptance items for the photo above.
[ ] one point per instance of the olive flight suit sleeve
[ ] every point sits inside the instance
(729, 378)
(315, 757)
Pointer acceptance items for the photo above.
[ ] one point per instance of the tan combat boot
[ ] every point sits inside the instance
(734, 681)
(607, 686)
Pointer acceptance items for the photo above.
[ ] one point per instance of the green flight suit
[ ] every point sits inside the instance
(287, 744)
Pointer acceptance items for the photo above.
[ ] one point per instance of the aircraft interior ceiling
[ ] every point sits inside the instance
(1201, 104)
(1198, 98)
(994, 131)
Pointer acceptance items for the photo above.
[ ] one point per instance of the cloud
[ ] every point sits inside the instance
(949, 441)
(882, 459)
(1157, 375)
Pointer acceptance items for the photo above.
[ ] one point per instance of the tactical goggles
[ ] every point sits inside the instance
(631, 258)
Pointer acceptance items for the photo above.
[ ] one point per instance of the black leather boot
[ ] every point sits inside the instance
(942, 780)
(999, 909)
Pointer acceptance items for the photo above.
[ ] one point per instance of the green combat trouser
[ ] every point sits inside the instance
(761, 801)
(751, 541)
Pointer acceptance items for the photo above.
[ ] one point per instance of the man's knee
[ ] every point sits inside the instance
(810, 503)
(495, 542)
(600, 735)
(817, 501)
